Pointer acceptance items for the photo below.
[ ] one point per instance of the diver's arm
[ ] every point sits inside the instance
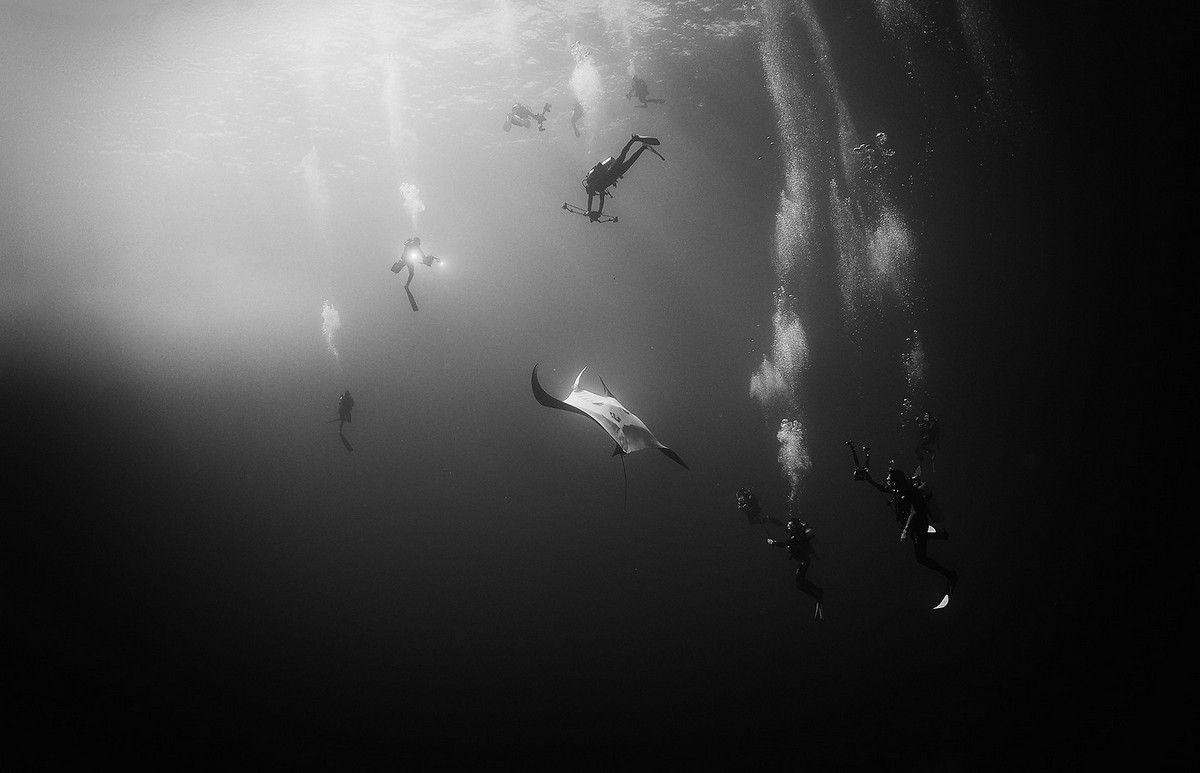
(912, 511)
(867, 477)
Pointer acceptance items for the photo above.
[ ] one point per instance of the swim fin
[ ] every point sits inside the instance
(949, 591)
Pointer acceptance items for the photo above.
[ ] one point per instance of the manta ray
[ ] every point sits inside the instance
(626, 429)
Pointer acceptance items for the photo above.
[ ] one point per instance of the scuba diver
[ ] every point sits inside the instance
(577, 112)
(747, 505)
(410, 255)
(642, 91)
(605, 174)
(520, 115)
(928, 444)
(911, 502)
(800, 549)
(345, 405)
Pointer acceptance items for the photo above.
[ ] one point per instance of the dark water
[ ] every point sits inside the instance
(198, 573)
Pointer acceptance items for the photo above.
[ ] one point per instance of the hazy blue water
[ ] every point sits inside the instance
(191, 189)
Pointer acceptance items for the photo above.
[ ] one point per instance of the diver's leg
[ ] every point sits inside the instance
(806, 585)
(919, 544)
(625, 150)
(812, 589)
(620, 169)
(411, 271)
(920, 523)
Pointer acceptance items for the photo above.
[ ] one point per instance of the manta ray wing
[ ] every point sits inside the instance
(628, 431)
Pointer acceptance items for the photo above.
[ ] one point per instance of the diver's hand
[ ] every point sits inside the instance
(904, 535)
(770, 541)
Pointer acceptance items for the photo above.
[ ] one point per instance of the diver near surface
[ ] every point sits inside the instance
(911, 504)
(605, 174)
(748, 505)
(520, 115)
(642, 92)
(577, 112)
(800, 549)
(410, 255)
(928, 444)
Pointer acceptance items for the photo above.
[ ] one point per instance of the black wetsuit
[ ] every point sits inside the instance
(640, 90)
(913, 511)
(345, 405)
(748, 505)
(800, 549)
(604, 175)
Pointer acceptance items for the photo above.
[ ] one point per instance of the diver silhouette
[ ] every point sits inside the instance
(910, 501)
(642, 92)
(345, 405)
(929, 441)
(577, 112)
(520, 115)
(800, 549)
(605, 174)
(748, 505)
(410, 255)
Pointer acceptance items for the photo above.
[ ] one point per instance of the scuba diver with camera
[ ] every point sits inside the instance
(605, 175)
(521, 115)
(912, 502)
